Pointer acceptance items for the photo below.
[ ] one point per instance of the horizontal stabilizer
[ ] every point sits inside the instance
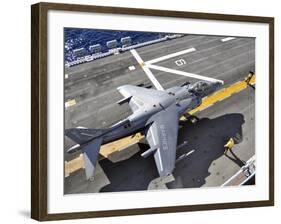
(83, 135)
(74, 148)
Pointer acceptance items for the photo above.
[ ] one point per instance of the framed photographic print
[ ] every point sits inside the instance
(139, 111)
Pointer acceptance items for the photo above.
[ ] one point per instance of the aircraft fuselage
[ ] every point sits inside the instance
(138, 121)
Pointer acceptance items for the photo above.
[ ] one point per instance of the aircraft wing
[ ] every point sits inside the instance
(162, 137)
(139, 96)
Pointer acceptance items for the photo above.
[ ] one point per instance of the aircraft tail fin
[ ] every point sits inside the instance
(89, 142)
(90, 154)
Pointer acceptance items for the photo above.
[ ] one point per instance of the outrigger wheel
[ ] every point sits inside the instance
(193, 119)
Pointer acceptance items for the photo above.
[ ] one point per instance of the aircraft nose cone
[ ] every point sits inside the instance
(214, 87)
(218, 85)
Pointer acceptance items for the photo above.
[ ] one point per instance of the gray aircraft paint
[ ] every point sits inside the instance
(156, 112)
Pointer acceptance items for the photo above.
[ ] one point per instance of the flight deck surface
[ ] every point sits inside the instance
(91, 90)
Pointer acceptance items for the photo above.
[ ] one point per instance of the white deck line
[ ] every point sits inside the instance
(227, 39)
(191, 75)
(170, 55)
(146, 70)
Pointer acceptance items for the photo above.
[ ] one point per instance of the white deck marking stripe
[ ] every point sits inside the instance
(137, 56)
(147, 70)
(191, 75)
(152, 78)
(70, 103)
(131, 68)
(170, 55)
(227, 39)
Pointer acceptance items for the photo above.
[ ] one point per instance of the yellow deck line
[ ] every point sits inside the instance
(119, 145)
(223, 94)
(105, 151)
(70, 103)
(73, 165)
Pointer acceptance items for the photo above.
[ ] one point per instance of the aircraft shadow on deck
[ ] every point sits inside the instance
(207, 138)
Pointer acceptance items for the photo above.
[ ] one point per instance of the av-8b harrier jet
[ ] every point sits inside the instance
(156, 113)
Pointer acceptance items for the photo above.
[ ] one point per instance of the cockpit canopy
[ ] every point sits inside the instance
(200, 86)
(203, 88)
